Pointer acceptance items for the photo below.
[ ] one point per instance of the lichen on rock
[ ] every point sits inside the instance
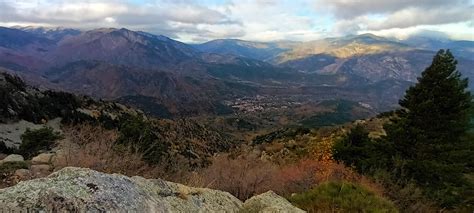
(269, 202)
(12, 158)
(85, 190)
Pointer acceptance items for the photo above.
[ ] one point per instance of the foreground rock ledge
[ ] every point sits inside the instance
(84, 190)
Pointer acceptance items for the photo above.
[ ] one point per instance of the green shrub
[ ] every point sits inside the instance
(341, 197)
(356, 149)
(6, 150)
(345, 111)
(33, 141)
(288, 133)
(138, 134)
(353, 148)
(10, 167)
(405, 194)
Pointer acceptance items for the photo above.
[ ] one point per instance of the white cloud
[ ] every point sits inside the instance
(61, 12)
(268, 20)
(109, 20)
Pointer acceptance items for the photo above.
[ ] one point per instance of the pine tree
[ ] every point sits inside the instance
(429, 132)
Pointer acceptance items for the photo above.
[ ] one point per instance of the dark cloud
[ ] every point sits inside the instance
(347, 9)
(415, 17)
(9, 13)
(353, 16)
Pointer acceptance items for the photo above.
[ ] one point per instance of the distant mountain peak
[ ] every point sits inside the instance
(42, 28)
(367, 38)
(102, 30)
(370, 35)
(52, 33)
(159, 37)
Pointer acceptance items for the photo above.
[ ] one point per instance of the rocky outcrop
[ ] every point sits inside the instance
(269, 202)
(22, 174)
(10, 133)
(12, 158)
(85, 190)
(42, 165)
(43, 158)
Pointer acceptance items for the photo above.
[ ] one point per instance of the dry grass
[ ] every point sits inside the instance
(93, 147)
(307, 173)
(246, 175)
(242, 176)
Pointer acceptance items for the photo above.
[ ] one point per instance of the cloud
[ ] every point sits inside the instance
(7, 12)
(270, 20)
(175, 12)
(60, 13)
(414, 16)
(349, 26)
(356, 16)
(189, 20)
(172, 18)
(347, 9)
(261, 20)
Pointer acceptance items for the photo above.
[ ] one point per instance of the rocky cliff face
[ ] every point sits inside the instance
(85, 190)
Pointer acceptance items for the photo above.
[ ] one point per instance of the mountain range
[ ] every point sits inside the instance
(170, 78)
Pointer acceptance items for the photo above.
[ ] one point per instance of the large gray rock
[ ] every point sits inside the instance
(85, 190)
(22, 174)
(269, 202)
(40, 170)
(43, 158)
(12, 158)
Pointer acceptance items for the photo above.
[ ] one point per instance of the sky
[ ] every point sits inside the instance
(257, 20)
